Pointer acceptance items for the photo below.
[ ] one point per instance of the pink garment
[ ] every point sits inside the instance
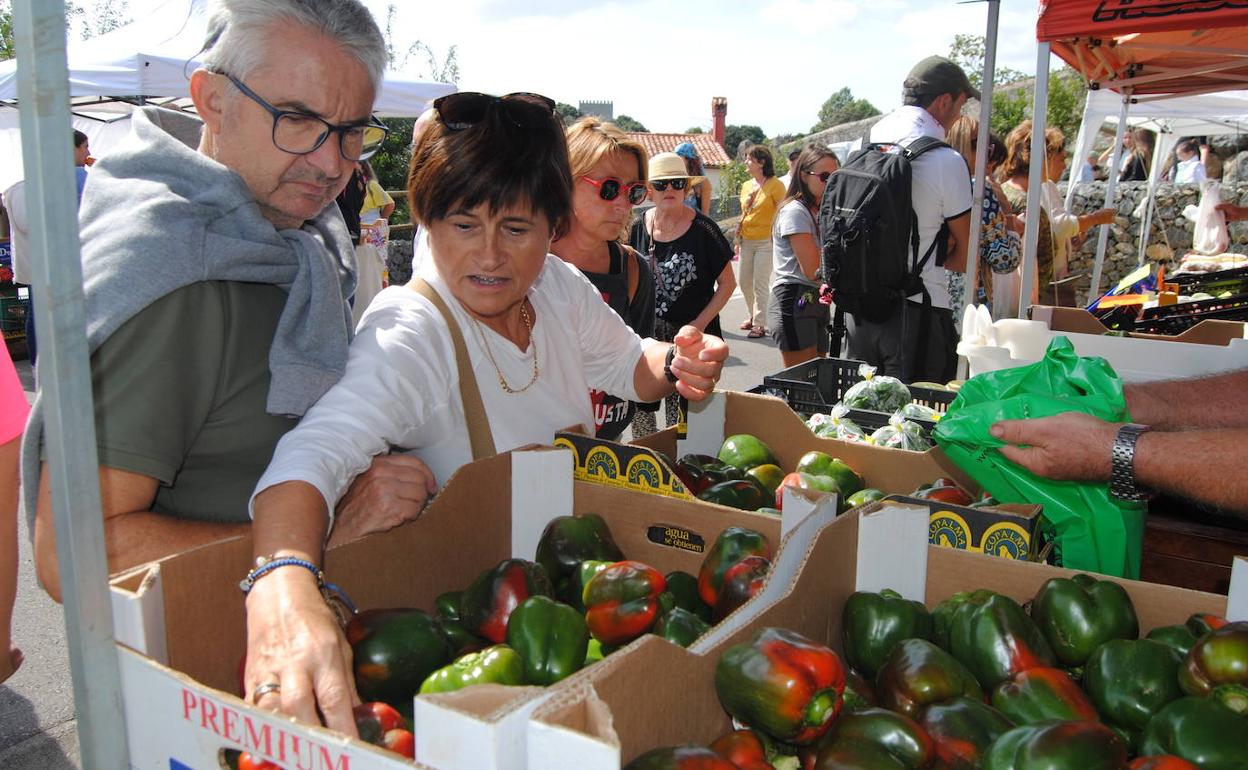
(13, 406)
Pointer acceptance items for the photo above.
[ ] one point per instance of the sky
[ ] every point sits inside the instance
(661, 62)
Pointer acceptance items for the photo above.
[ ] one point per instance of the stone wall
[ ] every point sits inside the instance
(1122, 252)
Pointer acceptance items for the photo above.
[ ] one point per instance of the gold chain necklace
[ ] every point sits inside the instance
(502, 381)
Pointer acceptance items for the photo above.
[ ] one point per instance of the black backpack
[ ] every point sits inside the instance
(871, 234)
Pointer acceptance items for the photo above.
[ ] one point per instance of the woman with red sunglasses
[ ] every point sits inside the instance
(608, 179)
(798, 321)
(495, 345)
(692, 263)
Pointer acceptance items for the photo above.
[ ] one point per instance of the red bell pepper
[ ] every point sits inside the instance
(732, 545)
(1042, 695)
(783, 684)
(742, 582)
(1161, 762)
(744, 749)
(381, 725)
(486, 604)
(1219, 658)
(622, 601)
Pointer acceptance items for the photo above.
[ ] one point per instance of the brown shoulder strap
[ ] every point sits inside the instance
(479, 435)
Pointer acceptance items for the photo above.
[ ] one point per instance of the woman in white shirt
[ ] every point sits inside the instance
(491, 184)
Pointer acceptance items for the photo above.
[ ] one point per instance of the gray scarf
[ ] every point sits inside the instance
(158, 215)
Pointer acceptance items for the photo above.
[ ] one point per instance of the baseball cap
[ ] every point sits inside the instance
(686, 150)
(936, 75)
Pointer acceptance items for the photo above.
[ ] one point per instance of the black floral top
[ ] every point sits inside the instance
(686, 269)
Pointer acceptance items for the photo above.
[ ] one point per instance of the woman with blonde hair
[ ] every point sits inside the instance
(1000, 245)
(1058, 227)
(608, 179)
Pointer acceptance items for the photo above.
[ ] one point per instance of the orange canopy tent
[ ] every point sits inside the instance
(1151, 46)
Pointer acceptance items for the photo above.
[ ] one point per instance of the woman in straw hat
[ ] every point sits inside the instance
(699, 197)
(692, 262)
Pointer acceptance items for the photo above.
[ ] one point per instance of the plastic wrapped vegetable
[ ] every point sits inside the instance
(917, 411)
(878, 392)
(836, 425)
(901, 433)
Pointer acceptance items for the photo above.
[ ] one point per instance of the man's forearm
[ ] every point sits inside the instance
(137, 538)
(1206, 402)
(1203, 465)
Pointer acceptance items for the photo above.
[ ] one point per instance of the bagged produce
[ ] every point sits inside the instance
(1094, 531)
(836, 425)
(878, 392)
(901, 433)
(917, 411)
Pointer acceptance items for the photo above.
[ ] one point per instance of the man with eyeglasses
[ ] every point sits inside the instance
(217, 277)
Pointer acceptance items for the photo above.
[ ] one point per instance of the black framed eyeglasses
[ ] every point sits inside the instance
(661, 185)
(824, 176)
(609, 189)
(466, 109)
(301, 133)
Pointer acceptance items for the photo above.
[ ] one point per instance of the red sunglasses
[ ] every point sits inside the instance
(609, 188)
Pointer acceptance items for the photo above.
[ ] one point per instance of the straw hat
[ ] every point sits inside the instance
(669, 165)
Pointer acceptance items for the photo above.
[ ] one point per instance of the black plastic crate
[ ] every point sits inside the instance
(819, 384)
(1176, 319)
(13, 314)
(1234, 280)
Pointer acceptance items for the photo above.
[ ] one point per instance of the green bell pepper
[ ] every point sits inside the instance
(622, 601)
(782, 684)
(1233, 696)
(872, 623)
(1200, 730)
(551, 639)
(569, 540)
(494, 665)
(747, 494)
(393, 651)
(1220, 658)
(680, 626)
(732, 545)
(1185, 635)
(1130, 680)
(962, 730)
(682, 591)
(875, 738)
(487, 603)
(1078, 614)
(680, 758)
(447, 605)
(460, 638)
(1043, 695)
(1075, 745)
(995, 638)
(859, 693)
(917, 674)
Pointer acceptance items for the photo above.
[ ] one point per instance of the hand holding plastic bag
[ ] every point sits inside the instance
(1095, 531)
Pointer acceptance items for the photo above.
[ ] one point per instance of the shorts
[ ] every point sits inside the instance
(797, 319)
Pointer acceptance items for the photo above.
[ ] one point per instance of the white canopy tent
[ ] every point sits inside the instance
(150, 61)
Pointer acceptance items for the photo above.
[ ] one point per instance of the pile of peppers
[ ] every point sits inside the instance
(980, 682)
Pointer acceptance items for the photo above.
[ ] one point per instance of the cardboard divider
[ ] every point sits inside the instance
(679, 704)
(491, 510)
(1076, 319)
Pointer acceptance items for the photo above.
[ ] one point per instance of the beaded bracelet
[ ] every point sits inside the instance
(337, 599)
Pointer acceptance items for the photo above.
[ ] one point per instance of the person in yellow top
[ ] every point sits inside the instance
(761, 197)
(370, 252)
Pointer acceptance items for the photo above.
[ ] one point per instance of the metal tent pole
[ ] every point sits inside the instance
(1035, 179)
(981, 154)
(1111, 187)
(65, 380)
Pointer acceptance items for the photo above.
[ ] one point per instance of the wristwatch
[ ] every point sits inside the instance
(1122, 479)
(667, 365)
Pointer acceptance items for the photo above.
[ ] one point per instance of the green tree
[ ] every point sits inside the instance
(731, 177)
(842, 107)
(968, 51)
(6, 31)
(444, 70)
(695, 130)
(568, 113)
(1067, 93)
(105, 16)
(629, 124)
(735, 135)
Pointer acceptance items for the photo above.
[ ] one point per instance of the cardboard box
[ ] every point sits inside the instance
(1210, 347)
(183, 617)
(624, 465)
(1009, 530)
(603, 723)
(727, 413)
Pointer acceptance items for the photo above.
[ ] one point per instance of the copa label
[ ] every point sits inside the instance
(948, 529)
(1007, 540)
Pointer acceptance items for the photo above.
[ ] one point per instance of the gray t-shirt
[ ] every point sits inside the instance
(792, 218)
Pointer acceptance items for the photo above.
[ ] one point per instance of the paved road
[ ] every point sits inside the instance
(37, 727)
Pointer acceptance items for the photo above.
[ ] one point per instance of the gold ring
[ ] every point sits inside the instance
(265, 689)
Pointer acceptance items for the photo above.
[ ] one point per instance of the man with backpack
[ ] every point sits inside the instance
(894, 219)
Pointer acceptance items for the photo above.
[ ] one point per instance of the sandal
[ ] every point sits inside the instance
(746, 324)
(16, 658)
(757, 332)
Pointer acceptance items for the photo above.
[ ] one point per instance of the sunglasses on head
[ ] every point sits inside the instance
(468, 108)
(609, 189)
(661, 185)
(824, 176)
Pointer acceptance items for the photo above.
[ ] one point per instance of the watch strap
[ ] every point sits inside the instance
(1122, 477)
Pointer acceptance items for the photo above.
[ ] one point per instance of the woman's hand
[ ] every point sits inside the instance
(294, 642)
(698, 363)
(392, 491)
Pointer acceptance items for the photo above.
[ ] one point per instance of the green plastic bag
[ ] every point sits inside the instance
(1094, 531)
